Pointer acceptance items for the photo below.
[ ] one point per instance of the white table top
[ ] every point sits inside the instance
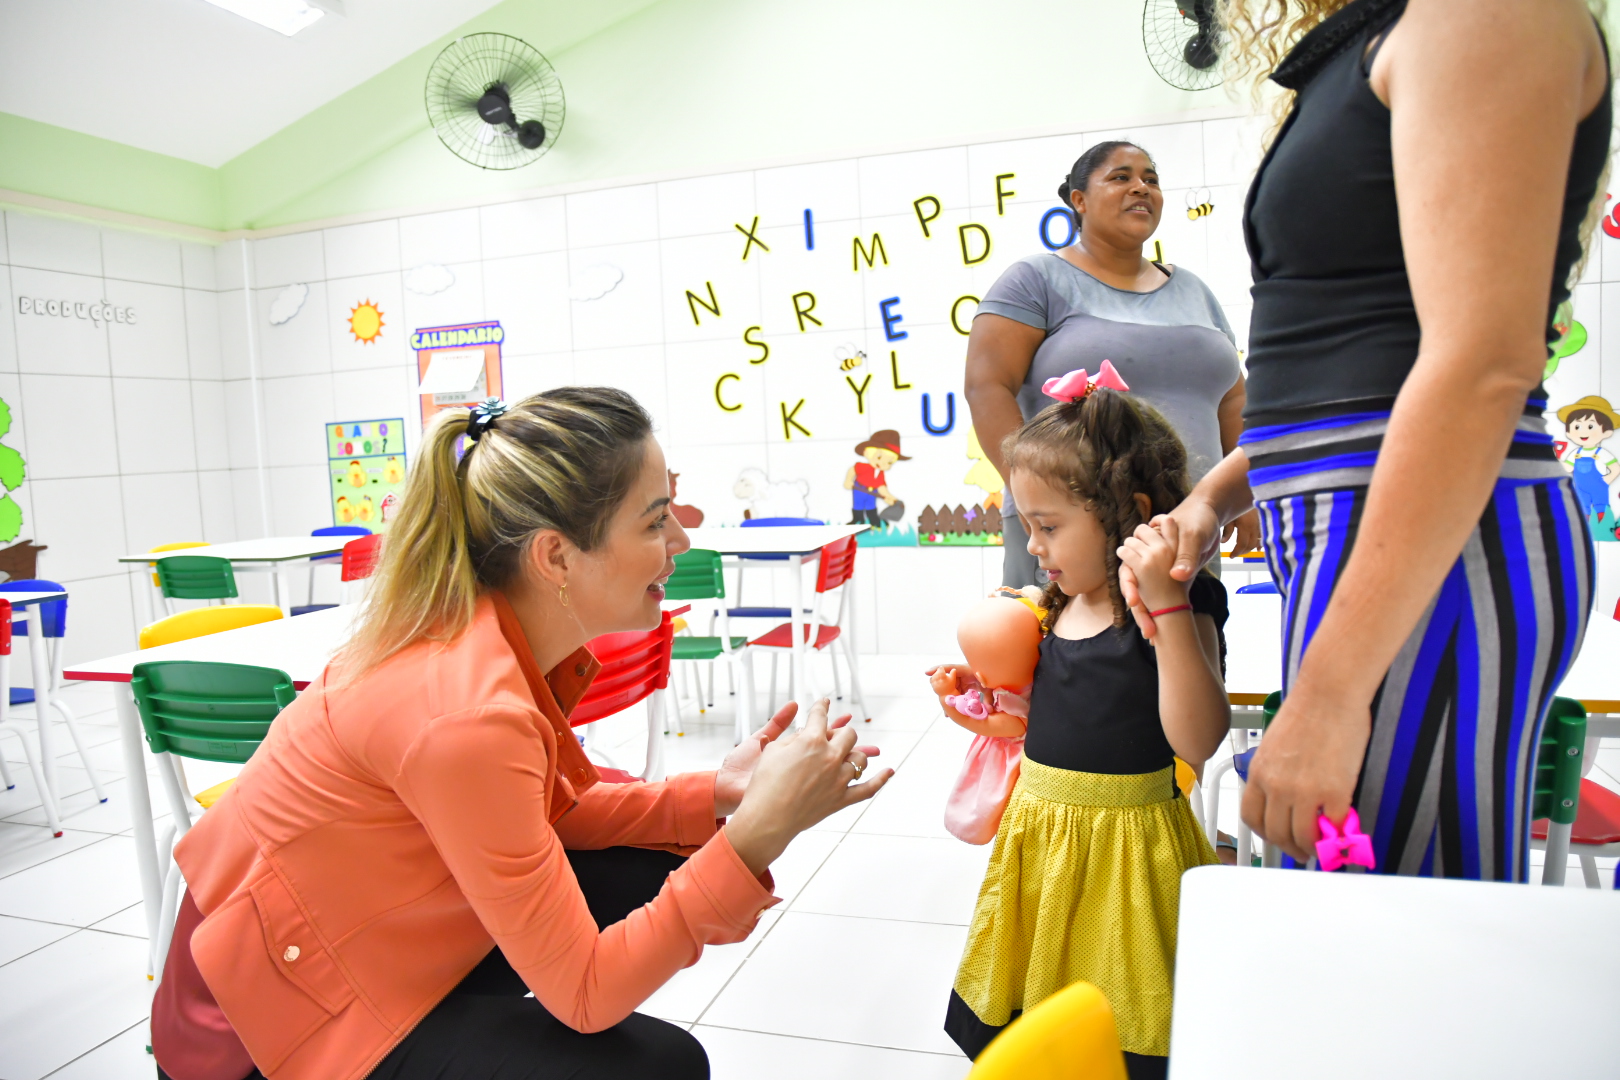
(20, 598)
(1412, 977)
(270, 549)
(299, 646)
(771, 539)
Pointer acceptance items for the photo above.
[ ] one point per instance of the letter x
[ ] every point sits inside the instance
(752, 239)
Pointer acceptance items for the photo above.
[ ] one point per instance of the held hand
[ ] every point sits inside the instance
(731, 779)
(1197, 540)
(944, 679)
(1149, 553)
(1307, 765)
(801, 778)
(1246, 530)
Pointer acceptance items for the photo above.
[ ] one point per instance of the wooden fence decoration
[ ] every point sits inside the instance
(960, 521)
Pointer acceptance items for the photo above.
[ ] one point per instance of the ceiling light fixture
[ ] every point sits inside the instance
(286, 17)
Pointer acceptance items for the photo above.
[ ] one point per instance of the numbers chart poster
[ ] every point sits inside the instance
(367, 466)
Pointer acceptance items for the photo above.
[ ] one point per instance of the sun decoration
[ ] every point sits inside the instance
(366, 322)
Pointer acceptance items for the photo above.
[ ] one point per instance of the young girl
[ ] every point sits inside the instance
(1084, 878)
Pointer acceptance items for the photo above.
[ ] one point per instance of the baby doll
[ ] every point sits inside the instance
(1001, 640)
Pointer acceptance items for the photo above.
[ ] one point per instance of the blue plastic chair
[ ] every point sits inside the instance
(52, 622)
(764, 612)
(1259, 587)
(328, 530)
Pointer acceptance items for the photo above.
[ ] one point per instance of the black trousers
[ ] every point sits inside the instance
(487, 1029)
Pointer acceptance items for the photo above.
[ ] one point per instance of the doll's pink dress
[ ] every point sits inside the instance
(977, 800)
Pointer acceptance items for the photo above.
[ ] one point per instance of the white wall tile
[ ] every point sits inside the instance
(283, 260)
(1038, 167)
(228, 264)
(231, 308)
(890, 183)
(391, 346)
(197, 269)
(522, 376)
(202, 335)
(8, 318)
(1232, 149)
(217, 499)
(55, 343)
(155, 344)
(154, 418)
(133, 256)
(629, 315)
(81, 520)
(299, 500)
(706, 204)
(523, 228)
(161, 508)
(613, 216)
(449, 237)
(69, 424)
(462, 302)
(102, 616)
(48, 243)
(241, 426)
(300, 346)
(829, 189)
(529, 295)
(377, 394)
(210, 426)
(370, 248)
(296, 412)
(1177, 149)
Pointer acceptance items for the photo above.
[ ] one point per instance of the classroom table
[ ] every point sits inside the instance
(799, 543)
(300, 647)
(40, 664)
(276, 551)
(1364, 975)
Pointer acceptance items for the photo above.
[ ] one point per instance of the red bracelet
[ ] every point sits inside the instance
(1170, 610)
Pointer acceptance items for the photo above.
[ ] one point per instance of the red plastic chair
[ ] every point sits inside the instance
(836, 569)
(635, 668)
(360, 557)
(13, 727)
(1596, 831)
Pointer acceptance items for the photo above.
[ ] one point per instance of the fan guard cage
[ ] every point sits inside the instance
(467, 68)
(1165, 34)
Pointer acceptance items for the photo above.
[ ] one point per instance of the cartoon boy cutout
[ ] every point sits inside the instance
(1589, 423)
(867, 481)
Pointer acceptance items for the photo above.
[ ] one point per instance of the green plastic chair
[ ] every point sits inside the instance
(207, 711)
(1557, 784)
(699, 576)
(195, 577)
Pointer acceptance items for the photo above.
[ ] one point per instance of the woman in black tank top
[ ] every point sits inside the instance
(1412, 229)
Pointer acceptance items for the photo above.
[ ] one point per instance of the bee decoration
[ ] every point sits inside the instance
(849, 357)
(1199, 207)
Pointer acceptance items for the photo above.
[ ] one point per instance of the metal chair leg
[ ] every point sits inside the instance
(78, 744)
(5, 774)
(1555, 860)
(854, 678)
(1589, 871)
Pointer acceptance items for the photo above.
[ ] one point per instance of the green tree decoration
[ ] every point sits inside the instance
(12, 473)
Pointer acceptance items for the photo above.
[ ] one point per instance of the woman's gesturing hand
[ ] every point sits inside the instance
(1306, 765)
(731, 779)
(799, 779)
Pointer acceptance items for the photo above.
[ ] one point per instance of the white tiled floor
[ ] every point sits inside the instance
(849, 974)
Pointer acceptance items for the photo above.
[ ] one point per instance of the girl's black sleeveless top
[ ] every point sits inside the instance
(1333, 321)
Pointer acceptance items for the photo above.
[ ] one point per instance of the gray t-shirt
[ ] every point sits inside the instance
(1172, 346)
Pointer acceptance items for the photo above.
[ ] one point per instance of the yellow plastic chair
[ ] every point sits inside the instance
(177, 546)
(200, 622)
(1069, 1036)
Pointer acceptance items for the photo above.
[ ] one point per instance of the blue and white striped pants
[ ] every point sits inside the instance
(1447, 782)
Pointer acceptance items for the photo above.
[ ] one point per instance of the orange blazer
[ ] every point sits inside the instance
(388, 833)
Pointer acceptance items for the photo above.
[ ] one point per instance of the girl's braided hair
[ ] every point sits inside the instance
(1103, 448)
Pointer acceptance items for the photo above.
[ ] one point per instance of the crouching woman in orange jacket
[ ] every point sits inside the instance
(420, 843)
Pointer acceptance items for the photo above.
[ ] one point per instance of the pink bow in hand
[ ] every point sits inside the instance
(1344, 845)
(1076, 385)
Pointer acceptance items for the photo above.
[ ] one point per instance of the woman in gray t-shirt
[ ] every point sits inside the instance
(1101, 299)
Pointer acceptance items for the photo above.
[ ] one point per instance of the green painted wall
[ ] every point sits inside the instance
(42, 159)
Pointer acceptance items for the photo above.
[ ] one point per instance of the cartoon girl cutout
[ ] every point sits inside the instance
(867, 481)
(1589, 423)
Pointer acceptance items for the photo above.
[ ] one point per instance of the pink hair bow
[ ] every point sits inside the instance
(1344, 844)
(1076, 385)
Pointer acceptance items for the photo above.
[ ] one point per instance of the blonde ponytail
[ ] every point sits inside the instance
(563, 459)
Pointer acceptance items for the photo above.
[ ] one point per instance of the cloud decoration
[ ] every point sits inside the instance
(595, 282)
(288, 302)
(429, 278)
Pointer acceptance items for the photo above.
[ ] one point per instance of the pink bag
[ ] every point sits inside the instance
(973, 811)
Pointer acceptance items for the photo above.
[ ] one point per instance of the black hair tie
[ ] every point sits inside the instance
(482, 417)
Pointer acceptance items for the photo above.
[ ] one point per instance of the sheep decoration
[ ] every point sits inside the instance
(771, 498)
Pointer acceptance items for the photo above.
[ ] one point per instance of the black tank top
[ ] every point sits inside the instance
(1333, 320)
